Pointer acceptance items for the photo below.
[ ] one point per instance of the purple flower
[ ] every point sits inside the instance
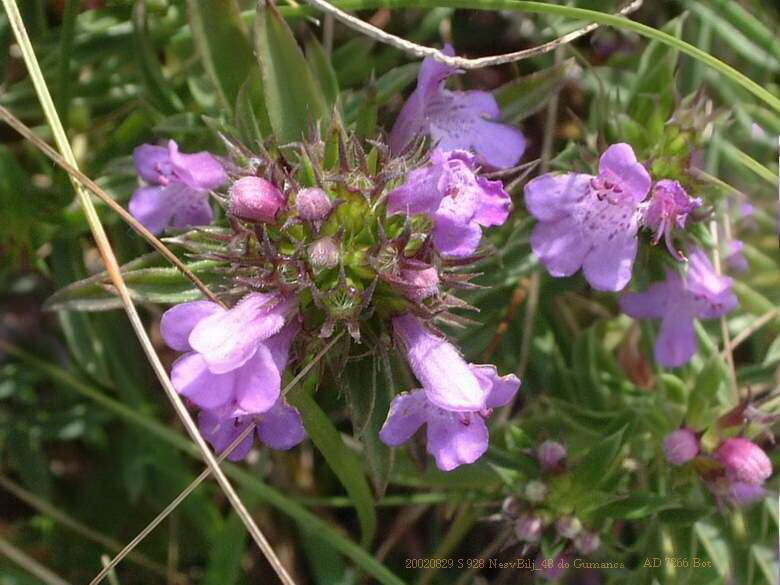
(179, 186)
(744, 461)
(551, 455)
(590, 222)
(736, 259)
(255, 199)
(233, 356)
(454, 438)
(449, 382)
(681, 446)
(280, 427)
(459, 202)
(456, 120)
(678, 301)
(670, 205)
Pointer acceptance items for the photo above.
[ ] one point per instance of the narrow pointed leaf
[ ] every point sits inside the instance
(293, 98)
(525, 96)
(157, 88)
(251, 117)
(322, 69)
(223, 46)
(148, 279)
(342, 461)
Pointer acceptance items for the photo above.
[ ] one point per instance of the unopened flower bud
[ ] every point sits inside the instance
(528, 528)
(313, 204)
(681, 446)
(535, 491)
(744, 461)
(419, 281)
(568, 526)
(255, 199)
(550, 455)
(324, 253)
(587, 542)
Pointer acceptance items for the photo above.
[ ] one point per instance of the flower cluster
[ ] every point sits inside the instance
(533, 518)
(370, 242)
(735, 472)
(593, 222)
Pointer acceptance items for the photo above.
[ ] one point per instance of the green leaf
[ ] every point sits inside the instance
(652, 93)
(22, 207)
(524, 96)
(157, 88)
(756, 303)
(766, 558)
(223, 46)
(322, 69)
(712, 539)
(293, 99)
(366, 123)
(732, 36)
(595, 467)
(636, 507)
(683, 516)
(386, 87)
(360, 389)
(145, 281)
(251, 117)
(226, 552)
(702, 397)
(327, 567)
(344, 462)
(379, 457)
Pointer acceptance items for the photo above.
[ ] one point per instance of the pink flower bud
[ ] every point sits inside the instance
(313, 204)
(681, 446)
(255, 199)
(528, 528)
(324, 253)
(568, 526)
(587, 542)
(744, 461)
(550, 455)
(419, 281)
